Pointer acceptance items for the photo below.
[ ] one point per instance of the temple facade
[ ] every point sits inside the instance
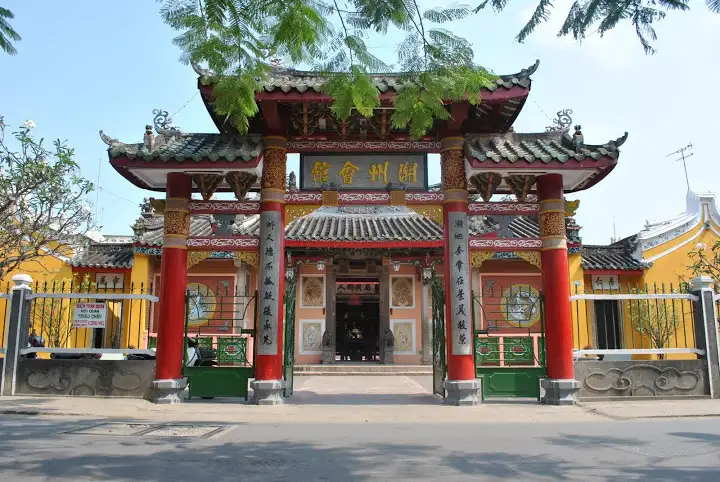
(356, 258)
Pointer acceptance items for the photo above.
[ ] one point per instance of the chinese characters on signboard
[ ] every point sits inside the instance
(460, 298)
(363, 171)
(270, 258)
(90, 315)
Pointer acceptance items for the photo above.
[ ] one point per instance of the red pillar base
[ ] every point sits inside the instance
(462, 393)
(268, 392)
(168, 392)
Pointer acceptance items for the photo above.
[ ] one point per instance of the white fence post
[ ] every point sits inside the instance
(706, 329)
(16, 331)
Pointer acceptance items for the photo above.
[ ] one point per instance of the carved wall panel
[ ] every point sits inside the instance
(405, 337)
(312, 294)
(311, 332)
(89, 378)
(641, 378)
(402, 292)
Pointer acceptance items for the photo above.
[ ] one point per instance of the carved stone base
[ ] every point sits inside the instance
(462, 392)
(328, 355)
(168, 392)
(268, 392)
(388, 357)
(559, 392)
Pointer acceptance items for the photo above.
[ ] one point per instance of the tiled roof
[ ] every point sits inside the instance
(200, 226)
(190, 147)
(364, 223)
(105, 256)
(609, 258)
(289, 79)
(541, 147)
(517, 226)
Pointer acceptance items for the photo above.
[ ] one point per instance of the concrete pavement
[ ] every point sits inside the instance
(357, 399)
(34, 449)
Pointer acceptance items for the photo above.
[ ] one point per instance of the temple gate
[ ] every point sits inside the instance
(364, 215)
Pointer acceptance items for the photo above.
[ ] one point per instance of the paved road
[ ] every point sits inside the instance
(35, 448)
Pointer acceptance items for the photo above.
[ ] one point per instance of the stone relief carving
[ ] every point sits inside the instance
(402, 333)
(71, 377)
(403, 295)
(638, 379)
(311, 337)
(312, 291)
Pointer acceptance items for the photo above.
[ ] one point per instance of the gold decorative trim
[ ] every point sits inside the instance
(452, 143)
(195, 257)
(272, 195)
(177, 204)
(171, 241)
(455, 195)
(554, 242)
(432, 212)
(275, 142)
(477, 258)
(551, 206)
(177, 223)
(330, 198)
(397, 198)
(292, 212)
(247, 257)
(552, 224)
(532, 257)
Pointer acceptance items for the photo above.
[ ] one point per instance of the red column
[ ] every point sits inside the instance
(269, 329)
(171, 326)
(461, 384)
(555, 278)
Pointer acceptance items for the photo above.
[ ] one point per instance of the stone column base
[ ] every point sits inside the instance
(168, 392)
(268, 392)
(462, 392)
(559, 392)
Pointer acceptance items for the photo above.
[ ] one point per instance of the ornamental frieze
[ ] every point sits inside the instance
(177, 223)
(234, 243)
(503, 208)
(519, 243)
(230, 207)
(325, 146)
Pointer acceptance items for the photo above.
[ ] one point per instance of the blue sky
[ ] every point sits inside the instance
(86, 65)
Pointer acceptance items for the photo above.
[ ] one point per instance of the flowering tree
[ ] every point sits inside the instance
(43, 208)
(705, 261)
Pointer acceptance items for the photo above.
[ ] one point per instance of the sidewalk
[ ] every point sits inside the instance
(418, 408)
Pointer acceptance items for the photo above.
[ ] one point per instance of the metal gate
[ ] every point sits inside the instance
(215, 321)
(438, 336)
(510, 347)
(289, 356)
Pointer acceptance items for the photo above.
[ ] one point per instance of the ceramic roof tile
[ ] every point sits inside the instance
(364, 223)
(539, 147)
(609, 258)
(190, 147)
(106, 256)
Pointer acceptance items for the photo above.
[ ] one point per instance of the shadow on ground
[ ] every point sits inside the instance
(42, 450)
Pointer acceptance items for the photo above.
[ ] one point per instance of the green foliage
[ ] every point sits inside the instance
(656, 320)
(705, 261)
(236, 37)
(43, 208)
(7, 34)
(586, 17)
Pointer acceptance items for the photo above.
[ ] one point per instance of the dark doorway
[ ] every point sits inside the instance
(608, 324)
(357, 320)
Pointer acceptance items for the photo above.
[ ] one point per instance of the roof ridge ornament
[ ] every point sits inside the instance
(562, 122)
(163, 124)
(200, 71)
(110, 141)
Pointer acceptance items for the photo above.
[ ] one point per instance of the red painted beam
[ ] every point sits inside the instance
(363, 244)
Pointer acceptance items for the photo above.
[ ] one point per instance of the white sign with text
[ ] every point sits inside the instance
(90, 315)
